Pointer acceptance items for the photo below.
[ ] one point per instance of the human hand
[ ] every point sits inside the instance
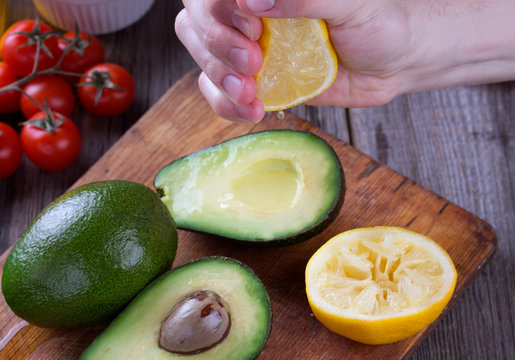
(385, 48)
(223, 41)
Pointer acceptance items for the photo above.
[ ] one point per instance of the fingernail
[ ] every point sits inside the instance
(232, 86)
(241, 24)
(243, 113)
(240, 59)
(260, 5)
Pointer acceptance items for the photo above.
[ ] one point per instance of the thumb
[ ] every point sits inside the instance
(334, 11)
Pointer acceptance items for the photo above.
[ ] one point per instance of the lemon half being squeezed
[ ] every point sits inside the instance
(299, 62)
(379, 285)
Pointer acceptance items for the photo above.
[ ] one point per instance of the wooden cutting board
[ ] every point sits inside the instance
(181, 123)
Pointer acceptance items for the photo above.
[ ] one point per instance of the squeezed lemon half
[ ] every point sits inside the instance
(379, 285)
(299, 62)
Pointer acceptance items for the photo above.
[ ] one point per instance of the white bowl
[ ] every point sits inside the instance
(93, 16)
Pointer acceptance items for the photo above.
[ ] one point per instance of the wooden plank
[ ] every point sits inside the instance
(332, 120)
(461, 144)
(182, 122)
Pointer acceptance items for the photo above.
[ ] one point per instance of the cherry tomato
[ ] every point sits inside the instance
(55, 89)
(10, 150)
(51, 149)
(107, 91)
(83, 54)
(9, 100)
(19, 50)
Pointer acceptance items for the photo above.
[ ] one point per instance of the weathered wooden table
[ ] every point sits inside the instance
(459, 143)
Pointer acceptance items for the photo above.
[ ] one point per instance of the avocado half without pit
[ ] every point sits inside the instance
(273, 187)
(210, 308)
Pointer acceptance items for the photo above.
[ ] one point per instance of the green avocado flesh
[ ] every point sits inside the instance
(135, 333)
(88, 253)
(277, 186)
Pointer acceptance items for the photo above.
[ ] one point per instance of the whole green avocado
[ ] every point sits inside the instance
(88, 253)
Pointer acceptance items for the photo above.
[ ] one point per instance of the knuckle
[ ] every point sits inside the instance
(212, 37)
(213, 5)
(213, 70)
(181, 23)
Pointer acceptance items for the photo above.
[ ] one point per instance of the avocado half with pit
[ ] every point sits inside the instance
(272, 187)
(210, 308)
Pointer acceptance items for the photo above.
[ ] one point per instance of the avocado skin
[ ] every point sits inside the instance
(104, 344)
(88, 253)
(294, 238)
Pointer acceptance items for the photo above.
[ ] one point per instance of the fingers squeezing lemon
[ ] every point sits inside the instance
(379, 285)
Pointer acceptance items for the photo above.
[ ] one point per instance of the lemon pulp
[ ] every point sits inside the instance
(299, 62)
(380, 275)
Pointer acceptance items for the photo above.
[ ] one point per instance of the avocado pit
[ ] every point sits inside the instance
(195, 324)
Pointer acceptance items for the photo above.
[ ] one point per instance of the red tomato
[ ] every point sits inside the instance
(56, 90)
(20, 57)
(9, 100)
(85, 53)
(10, 150)
(51, 150)
(107, 91)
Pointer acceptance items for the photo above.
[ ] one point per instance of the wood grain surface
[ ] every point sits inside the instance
(458, 142)
(180, 123)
